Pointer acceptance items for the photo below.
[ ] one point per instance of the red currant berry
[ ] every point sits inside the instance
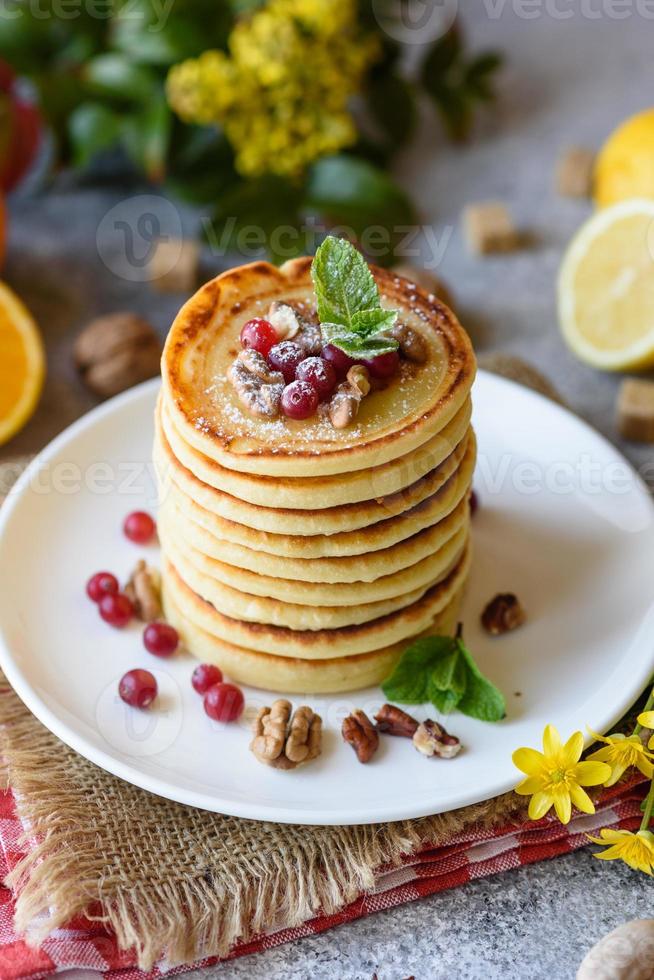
(259, 334)
(205, 676)
(474, 503)
(138, 688)
(340, 361)
(139, 527)
(285, 357)
(384, 365)
(102, 583)
(319, 373)
(299, 400)
(116, 610)
(160, 639)
(224, 702)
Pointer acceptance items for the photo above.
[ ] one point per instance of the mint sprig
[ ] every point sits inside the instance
(349, 309)
(442, 670)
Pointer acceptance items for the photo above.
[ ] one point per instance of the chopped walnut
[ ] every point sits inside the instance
(144, 591)
(359, 732)
(393, 721)
(431, 739)
(359, 377)
(412, 345)
(344, 404)
(284, 319)
(503, 614)
(285, 742)
(258, 388)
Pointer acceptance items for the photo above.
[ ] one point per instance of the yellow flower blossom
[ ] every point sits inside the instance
(636, 850)
(621, 752)
(555, 776)
(282, 90)
(646, 719)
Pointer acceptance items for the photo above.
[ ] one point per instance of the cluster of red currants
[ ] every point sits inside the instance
(138, 687)
(309, 380)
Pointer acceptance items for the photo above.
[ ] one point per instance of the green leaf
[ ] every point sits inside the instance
(392, 104)
(352, 344)
(355, 192)
(408, 683)
(343, 283)
(115, 76)
(146, 136)
(444, 54)
(368, 323)
(442, 670)
(92, 128)
(481, 699)
(447, 681)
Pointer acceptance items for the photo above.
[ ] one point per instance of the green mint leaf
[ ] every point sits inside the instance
(481, 699)
(343, 282)
(409, 681)
(362, 349)
(369, 323)
(448, 680)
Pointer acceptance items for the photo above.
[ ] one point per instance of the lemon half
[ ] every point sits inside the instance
(22, 364)
(606, 288)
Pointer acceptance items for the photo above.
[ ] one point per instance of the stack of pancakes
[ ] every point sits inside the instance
(299, 557)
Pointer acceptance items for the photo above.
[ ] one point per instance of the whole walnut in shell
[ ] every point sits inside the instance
(115, 352)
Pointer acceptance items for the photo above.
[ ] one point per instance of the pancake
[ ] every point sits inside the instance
(397, 420)
(293, 675)
(366, 567)
(328, 491)
(320, 521)
(262, 609)
(293, 591)
(222, 534)
(344, 641)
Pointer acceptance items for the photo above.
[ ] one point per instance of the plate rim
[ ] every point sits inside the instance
(237, 808)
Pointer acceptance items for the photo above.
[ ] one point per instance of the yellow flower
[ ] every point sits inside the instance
(636, 850)
(555, 776)
(646, 719)
(281, 93)
(621, 752)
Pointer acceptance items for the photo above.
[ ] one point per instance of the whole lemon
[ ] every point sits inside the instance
(625, 164)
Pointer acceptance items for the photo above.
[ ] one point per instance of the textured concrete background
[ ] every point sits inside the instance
(574, 70)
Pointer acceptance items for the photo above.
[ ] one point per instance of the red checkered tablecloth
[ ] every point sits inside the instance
(474, 854)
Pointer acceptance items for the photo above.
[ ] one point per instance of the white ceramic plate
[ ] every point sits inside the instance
(564, 522)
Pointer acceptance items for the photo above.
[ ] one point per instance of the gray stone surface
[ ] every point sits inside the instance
(573, 72)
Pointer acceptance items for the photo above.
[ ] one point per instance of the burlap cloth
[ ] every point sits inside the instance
(170, 879)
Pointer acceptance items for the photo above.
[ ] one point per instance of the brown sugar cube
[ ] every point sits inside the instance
(489, 228)
(636, 410)
(174, 265)
(574, 172)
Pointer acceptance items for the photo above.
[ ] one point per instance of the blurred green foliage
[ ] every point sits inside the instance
(99, 67)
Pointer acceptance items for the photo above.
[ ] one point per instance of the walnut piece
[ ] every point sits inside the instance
(412, 345)
(344, 404)
(144, 591)
(359, 378)
(359, 732)
(284, 319)
(285, 742)
(503, 614)
(258, 388)
(393, 721)
(431, 739)
(115, 352)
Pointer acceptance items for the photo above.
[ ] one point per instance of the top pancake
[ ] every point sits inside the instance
(204, 340)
